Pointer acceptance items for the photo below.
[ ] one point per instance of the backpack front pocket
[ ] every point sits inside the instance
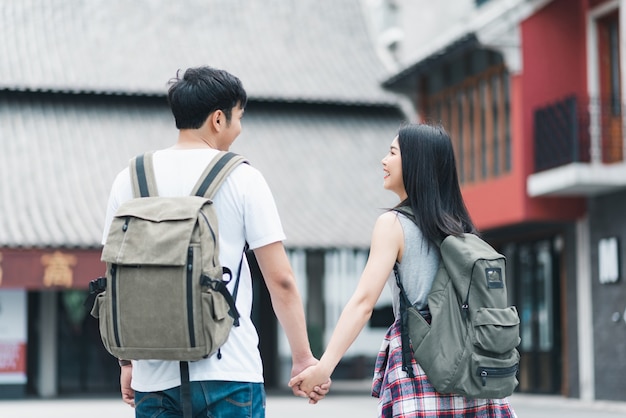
(219, 324)
(497, 330)
(418, 327)
(100, 310)
(494, 378)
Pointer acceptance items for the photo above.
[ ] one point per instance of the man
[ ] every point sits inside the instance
(208, 105)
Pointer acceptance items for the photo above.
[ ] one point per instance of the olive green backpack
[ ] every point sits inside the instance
(469, 346)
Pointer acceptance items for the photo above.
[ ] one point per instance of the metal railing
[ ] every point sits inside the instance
(563, 132)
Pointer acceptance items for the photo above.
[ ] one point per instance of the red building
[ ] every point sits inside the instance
(531, 92)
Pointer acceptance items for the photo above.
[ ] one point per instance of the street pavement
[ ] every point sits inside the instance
(341, 403)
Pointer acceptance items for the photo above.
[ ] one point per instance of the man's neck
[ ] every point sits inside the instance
(192, 139)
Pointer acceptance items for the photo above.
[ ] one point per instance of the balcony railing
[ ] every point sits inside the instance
(577, 130)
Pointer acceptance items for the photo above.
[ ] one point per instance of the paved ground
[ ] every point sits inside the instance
(340, 404)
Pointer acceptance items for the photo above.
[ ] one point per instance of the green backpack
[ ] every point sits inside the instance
(469, 346)
(164, 295)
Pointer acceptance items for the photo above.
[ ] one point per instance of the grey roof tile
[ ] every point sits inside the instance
(59, 155)
(294, 50)
(60, 152)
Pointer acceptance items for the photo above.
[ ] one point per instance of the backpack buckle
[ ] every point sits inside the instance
(226, 271)
(209, 282)
(98, 285)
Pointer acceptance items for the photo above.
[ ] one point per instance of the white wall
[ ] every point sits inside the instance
(418, 24)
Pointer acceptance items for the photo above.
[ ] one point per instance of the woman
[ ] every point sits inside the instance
(420, 168)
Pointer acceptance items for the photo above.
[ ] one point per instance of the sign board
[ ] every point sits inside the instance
(13, 331)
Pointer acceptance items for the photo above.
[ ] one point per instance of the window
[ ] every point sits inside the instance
(475, 110)
(610, 88)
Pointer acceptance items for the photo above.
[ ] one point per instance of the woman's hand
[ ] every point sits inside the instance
(313, 383)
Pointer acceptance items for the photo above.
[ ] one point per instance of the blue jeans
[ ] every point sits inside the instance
(209, 399)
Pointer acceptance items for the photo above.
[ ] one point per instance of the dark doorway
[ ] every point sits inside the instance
(84, 365)
(536, 272)
(265, 322)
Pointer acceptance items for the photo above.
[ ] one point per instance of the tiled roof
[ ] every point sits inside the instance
(285, 50)
(60, 153)
(81, 91)
(406, 79)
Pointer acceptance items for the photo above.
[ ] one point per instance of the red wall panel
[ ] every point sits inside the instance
(49, 268)
(554, 66)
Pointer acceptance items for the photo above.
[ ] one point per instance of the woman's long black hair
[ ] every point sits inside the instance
(431, 182)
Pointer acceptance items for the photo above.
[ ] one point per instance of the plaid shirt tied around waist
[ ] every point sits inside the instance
(402, 396)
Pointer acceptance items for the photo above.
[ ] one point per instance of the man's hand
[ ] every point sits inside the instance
(319, 392)
(315, 392)
(128, 394)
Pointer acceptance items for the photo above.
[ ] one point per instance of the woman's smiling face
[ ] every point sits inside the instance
(392, 168)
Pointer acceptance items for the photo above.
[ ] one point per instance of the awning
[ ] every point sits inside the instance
(406, 80)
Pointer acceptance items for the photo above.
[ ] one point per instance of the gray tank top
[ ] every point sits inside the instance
(420, 262)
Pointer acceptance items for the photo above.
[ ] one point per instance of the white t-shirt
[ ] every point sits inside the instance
(246, 212)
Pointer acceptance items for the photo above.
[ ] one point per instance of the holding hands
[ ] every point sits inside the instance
(313, 383)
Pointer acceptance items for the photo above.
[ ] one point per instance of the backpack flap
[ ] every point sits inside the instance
(153, 231)
(469, 259)
(460, 253)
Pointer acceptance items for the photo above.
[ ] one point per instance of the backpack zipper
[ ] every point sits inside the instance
(465, 304)
(126, 222)
(116, 331)
(192, 337)
(485, 372)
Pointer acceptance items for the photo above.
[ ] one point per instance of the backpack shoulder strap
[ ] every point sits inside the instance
(408, 212)
(405, 210)
(404, 326)
(216, 172)
(142, 176)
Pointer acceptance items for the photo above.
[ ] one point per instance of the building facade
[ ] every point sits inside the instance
(532, 94)
(83, 90)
